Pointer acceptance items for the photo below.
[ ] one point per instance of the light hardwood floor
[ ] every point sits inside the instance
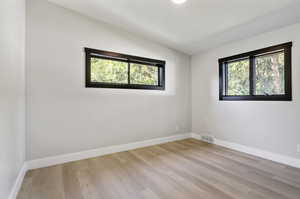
(184, 169)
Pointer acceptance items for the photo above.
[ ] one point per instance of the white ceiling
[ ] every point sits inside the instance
(194, 26)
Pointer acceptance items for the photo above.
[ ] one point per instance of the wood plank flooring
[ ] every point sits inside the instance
(186, 169)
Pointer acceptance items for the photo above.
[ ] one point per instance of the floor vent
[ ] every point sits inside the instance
(207, 138)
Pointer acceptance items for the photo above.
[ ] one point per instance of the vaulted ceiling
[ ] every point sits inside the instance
(194, 26)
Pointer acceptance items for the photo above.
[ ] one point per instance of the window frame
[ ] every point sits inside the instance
(285, 47)
(101, 54)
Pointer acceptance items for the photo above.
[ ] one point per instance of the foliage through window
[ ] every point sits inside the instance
(113, 70)
(108, 71)
(238, 78)
(263, 74)
(144, 74)
(269, 72)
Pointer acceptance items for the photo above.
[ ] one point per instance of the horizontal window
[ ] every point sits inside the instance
(263, 74)
(113, 70)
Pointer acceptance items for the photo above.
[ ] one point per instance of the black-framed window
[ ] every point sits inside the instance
(264, 74)
(106, 69)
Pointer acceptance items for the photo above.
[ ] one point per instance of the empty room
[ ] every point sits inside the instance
(149, 99)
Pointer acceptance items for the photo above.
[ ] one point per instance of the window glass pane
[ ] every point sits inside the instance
(109, 71)
(270, 74)
(238, 78)
(143, 74)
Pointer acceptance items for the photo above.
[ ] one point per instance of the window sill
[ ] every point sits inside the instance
(256, 98)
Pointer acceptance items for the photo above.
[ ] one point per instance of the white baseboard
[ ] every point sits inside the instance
(18, 183)
(50, 161)
(294, 162)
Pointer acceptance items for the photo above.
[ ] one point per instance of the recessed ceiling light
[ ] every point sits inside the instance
(178, 1)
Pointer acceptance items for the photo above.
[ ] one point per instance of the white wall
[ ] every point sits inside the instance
(66, 117)
(272, 126)
(12, 89)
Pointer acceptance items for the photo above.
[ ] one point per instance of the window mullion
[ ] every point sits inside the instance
(128, 70)
(159, 77)
(252, 75)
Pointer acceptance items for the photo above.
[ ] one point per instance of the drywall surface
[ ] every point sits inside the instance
(272, 126)
(12, 92)
(64, 116)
